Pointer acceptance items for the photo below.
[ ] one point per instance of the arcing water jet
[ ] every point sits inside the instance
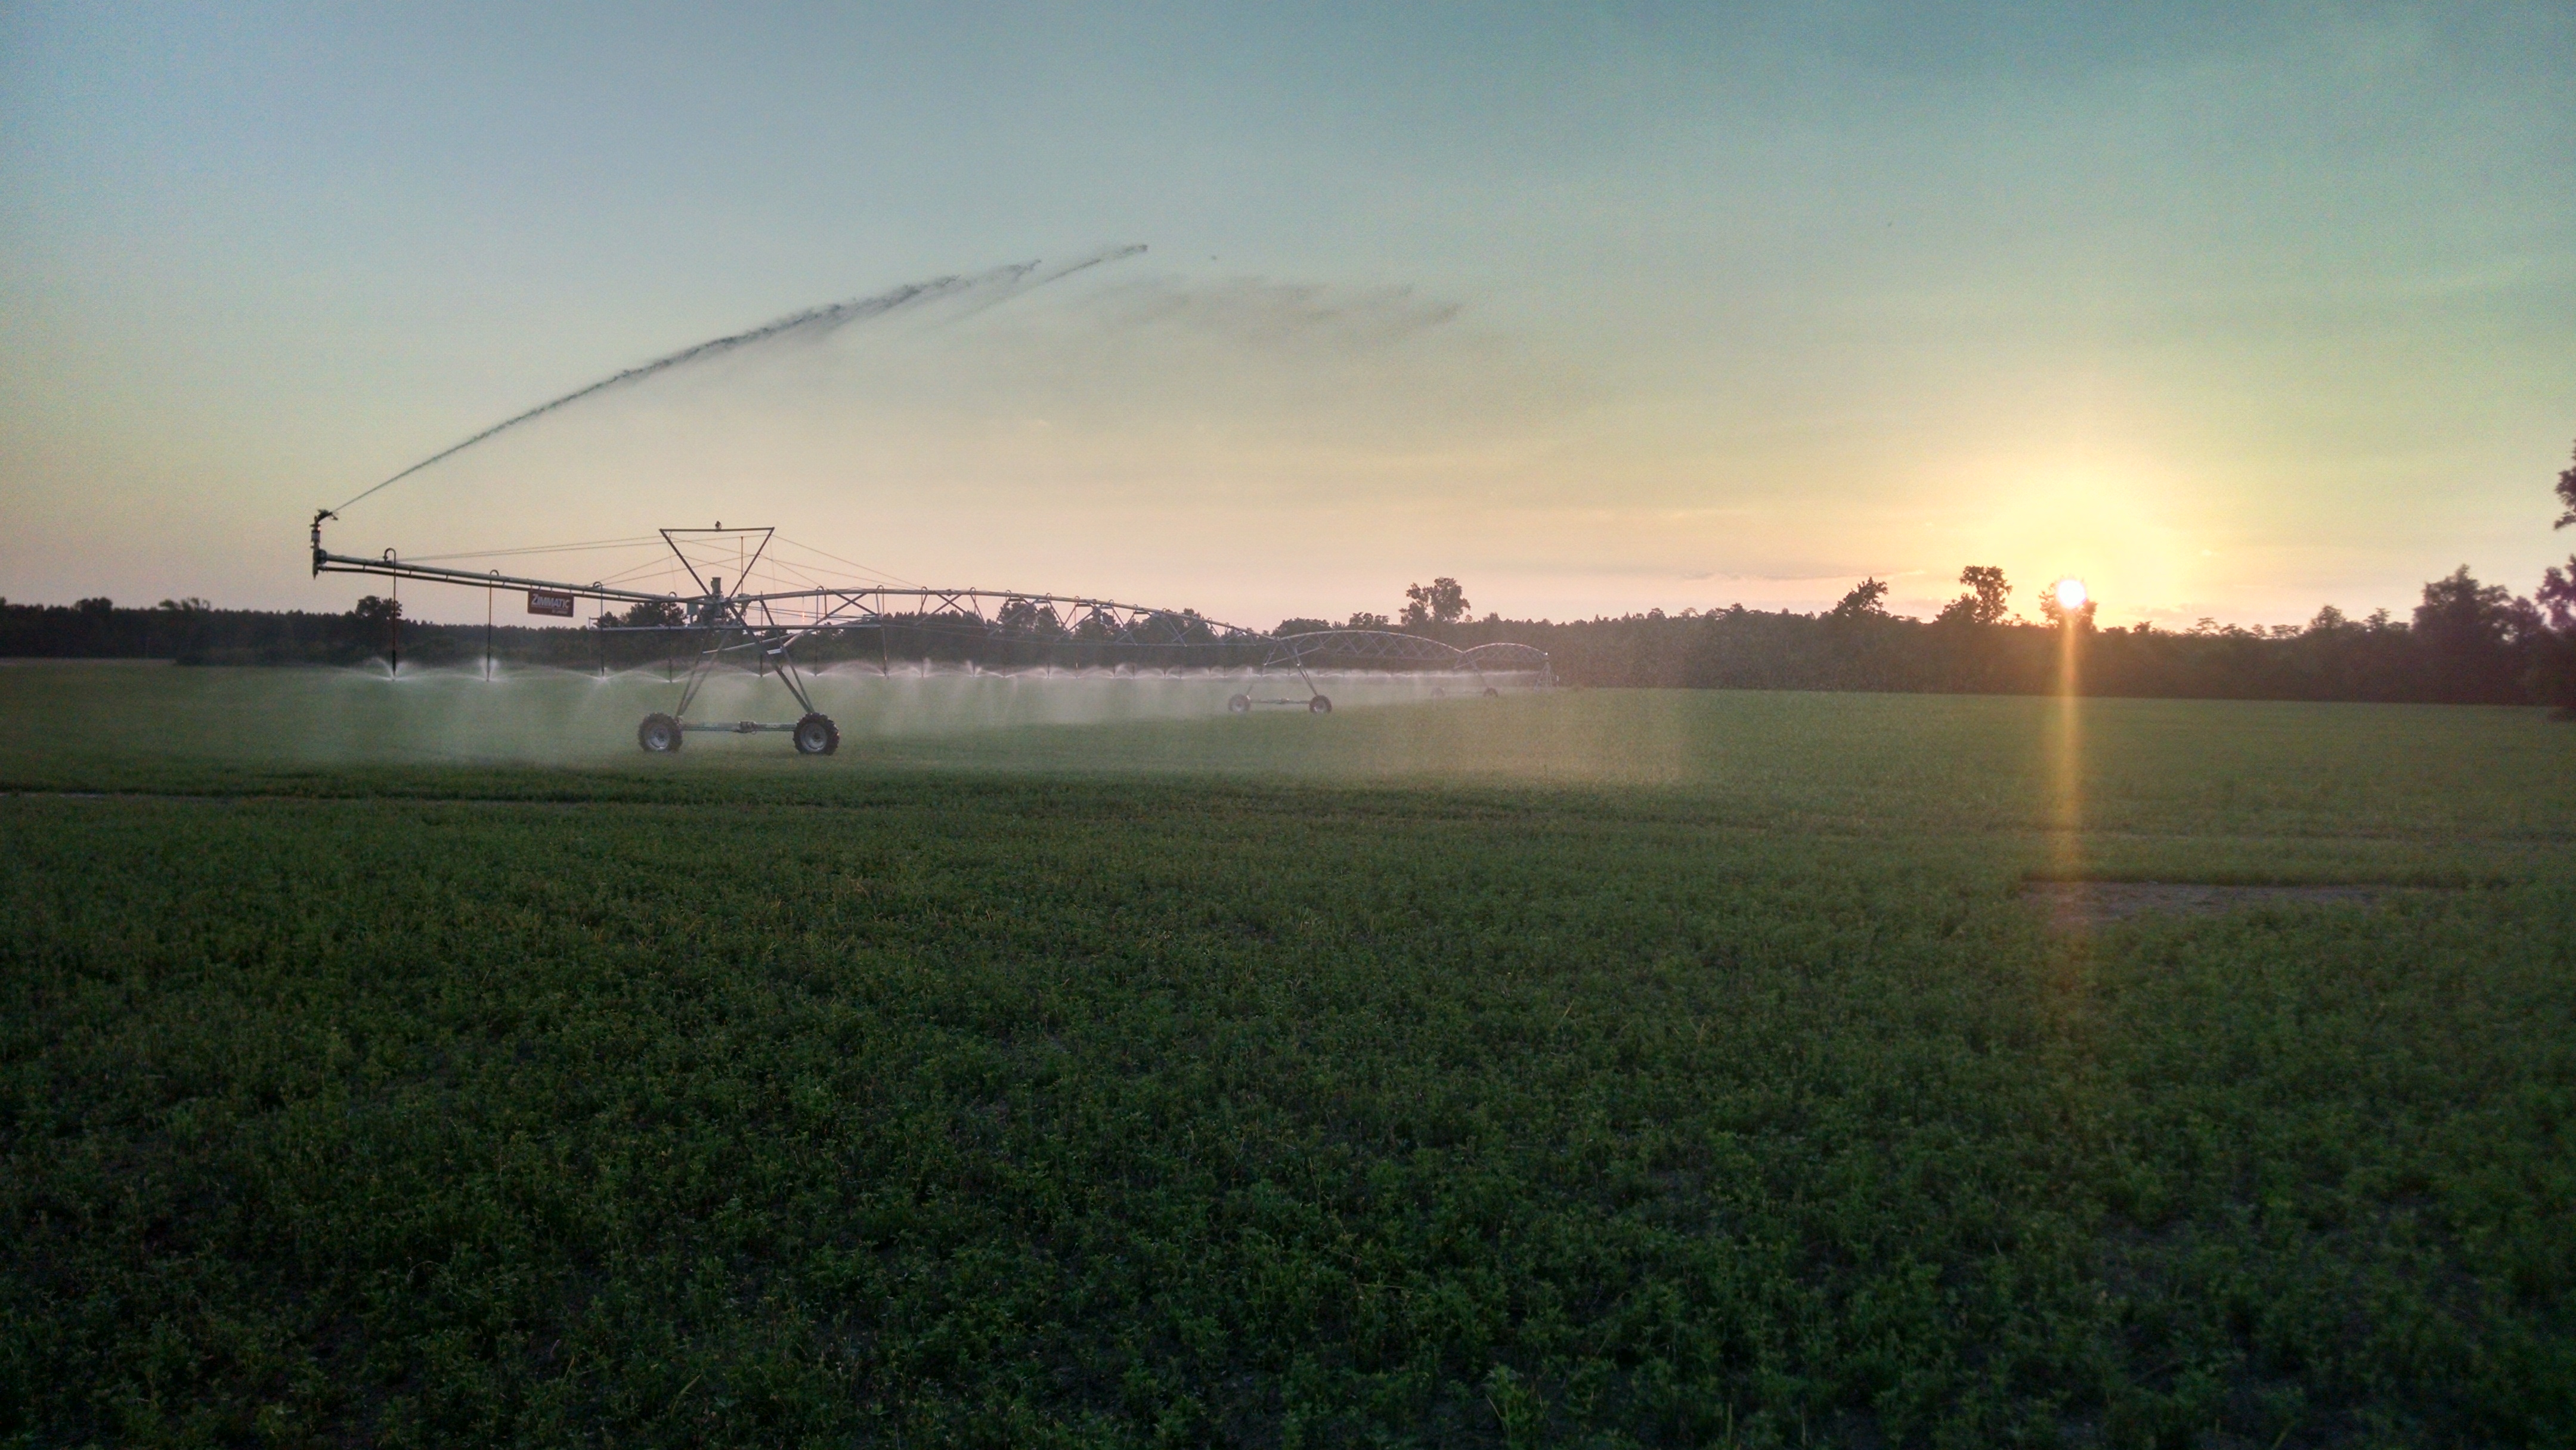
(813, 321)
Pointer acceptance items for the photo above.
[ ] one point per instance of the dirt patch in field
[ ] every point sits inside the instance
(2077, 905)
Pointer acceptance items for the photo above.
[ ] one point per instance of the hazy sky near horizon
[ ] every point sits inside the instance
(2231, 309)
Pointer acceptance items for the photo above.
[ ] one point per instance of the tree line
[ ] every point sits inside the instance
(193, 632)
(2466, 642)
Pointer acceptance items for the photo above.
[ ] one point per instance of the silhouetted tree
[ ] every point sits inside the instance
(2567, 495)
(2057, 616)
(1867, 600)
(1302, 626)
(651, 614)
(1439, 602)
(2552, 676)
(2557, 594)
(1987, 600)
(376, 623)
(2471, 636)
(1362, 619)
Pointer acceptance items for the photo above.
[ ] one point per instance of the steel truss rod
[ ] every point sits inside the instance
(392, 567)
(772, 623)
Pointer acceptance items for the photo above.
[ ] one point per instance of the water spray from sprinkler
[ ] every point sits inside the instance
(813, 321)
(762, 628)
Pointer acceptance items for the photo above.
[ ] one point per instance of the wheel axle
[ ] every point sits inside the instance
(662, 734)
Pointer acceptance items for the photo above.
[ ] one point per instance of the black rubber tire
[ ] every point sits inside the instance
(1239, 705)
(1492, 694)
(1321, 705)
(816, 735)
(659, 734)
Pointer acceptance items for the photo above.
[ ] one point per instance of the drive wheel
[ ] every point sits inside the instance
(1239, 705)
(659, 734)
(1492, 694)
(1320, 705)
(817, 735)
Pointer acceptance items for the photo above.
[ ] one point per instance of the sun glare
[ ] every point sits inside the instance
(2070, 593)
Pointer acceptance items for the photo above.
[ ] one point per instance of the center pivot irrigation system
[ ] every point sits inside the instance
(737, 626)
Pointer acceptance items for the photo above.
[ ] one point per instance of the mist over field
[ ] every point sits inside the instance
(2328, 776)
(548, 716)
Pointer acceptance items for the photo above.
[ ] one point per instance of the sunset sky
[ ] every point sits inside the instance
(2231, 310)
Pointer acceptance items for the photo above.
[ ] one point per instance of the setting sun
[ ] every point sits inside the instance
(2070, 593)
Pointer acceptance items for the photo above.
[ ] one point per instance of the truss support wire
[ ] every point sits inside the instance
(725, 617)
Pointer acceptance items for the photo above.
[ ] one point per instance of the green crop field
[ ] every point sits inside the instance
(1066, 1063)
